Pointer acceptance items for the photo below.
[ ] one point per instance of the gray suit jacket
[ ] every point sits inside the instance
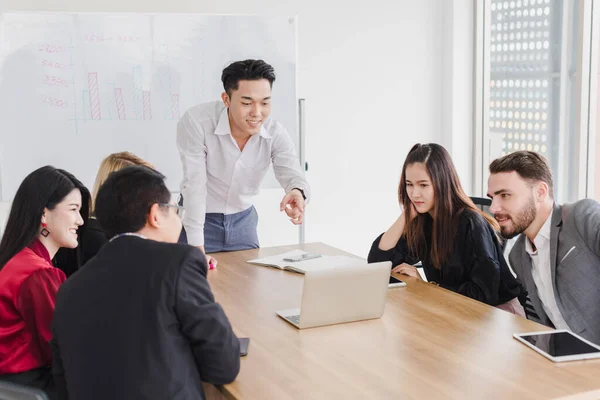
(575, 267)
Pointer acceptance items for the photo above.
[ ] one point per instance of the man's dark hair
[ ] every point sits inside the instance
(247, 70)
(125, 198)
(530, 166)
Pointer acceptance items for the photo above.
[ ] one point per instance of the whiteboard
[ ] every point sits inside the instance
(77, 87)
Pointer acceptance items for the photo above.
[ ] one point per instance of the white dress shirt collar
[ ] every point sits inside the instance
(541, 273)
(223, 127)
(543, 234)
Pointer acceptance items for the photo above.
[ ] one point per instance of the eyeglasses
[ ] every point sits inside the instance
(180, 210)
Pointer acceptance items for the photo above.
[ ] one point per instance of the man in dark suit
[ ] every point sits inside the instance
(139, 321)
(557, 257)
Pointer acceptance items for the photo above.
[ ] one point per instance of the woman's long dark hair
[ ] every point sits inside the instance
(450, 200)
(43, 188)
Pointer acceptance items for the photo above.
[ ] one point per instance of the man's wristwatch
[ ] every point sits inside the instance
(301, 192)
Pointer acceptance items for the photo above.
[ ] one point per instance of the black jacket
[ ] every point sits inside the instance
(91, 239)
(139, 321)
(476, 267)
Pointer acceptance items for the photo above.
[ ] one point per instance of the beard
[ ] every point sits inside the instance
(521, 221)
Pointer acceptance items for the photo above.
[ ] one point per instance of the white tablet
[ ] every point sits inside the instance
(559, 345)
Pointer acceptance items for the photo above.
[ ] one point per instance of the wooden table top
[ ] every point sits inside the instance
(430, 343)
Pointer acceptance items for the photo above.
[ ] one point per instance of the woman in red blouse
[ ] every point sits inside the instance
(45, 216)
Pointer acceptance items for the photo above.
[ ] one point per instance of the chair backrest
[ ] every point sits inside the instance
(483, 203)
(12, 391)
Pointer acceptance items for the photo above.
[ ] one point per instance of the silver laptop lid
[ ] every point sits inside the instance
(344, 294)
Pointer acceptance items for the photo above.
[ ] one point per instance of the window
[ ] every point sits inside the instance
(533, 87)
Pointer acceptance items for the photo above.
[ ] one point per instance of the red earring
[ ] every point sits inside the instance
(45, 232)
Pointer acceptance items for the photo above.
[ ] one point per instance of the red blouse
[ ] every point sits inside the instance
(28, 286)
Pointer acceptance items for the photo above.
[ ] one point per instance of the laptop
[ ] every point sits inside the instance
(343, 294)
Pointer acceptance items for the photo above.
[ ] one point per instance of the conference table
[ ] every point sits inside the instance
(430, 343)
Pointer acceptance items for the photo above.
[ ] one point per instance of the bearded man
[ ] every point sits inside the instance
(558, 256)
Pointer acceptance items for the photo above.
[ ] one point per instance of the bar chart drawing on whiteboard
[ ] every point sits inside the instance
(110, 82)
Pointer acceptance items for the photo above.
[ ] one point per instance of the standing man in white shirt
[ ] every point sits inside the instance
(226, 148)
(557, 257)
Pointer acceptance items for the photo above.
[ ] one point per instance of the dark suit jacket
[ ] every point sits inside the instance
(139, 321)
(574, 264)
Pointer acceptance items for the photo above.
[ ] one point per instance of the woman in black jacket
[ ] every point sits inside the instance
(458, 245)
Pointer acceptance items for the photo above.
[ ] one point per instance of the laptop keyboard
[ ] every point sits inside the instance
(294, 319)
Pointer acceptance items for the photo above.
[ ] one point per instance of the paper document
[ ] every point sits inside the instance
(301, 267)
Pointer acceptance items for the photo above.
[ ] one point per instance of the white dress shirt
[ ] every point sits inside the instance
(217, 176)
(542, 275)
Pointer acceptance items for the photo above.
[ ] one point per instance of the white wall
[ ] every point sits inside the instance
(458, 87)
(373, 77)
(4, 210)
(378, 94)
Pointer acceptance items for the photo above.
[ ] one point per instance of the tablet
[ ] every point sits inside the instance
(559, 345)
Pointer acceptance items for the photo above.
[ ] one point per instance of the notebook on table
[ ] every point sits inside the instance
(301, 267)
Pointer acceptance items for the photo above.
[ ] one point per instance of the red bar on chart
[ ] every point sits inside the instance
(94, 95)
(119, 103)
(147, 104)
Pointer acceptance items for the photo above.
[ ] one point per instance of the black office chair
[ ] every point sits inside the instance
(482, 203)
(529, 310)
(12, 391)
